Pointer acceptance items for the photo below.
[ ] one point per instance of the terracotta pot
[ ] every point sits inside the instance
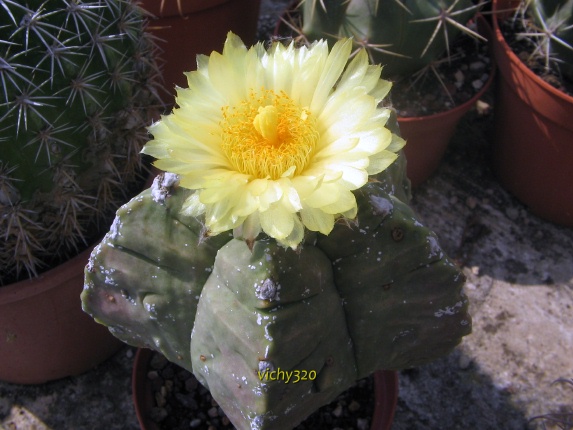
(385, 391)
(428, 137)
(185, 28)
(533, 145)
(44, 334)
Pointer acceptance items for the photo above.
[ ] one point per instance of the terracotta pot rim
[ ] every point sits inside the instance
(385, 392)
(469, 103)
(514, 59)
(47, 280)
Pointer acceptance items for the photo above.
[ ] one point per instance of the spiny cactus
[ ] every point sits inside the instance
(403, 35)
(549, 26)
(79, 84)
(376, 293)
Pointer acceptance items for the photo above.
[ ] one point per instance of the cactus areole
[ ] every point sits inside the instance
(320, 269)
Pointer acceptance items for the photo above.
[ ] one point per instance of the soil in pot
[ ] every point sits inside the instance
(178, 401)
(449, 82)
(523, 48)
(430, 105)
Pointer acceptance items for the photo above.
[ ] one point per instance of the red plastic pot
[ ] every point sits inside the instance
(533, 145)
(185, 28)
(428, 137)
(44, 334)
(385, 391)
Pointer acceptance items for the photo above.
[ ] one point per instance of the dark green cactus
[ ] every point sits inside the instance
(403, 35)
(549, 26)
(79, 85)
(376, 293)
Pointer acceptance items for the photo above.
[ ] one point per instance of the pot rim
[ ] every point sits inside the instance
(514, 59)
(47, 280)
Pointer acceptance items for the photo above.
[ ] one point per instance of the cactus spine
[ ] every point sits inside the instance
(549, 26)
(79, 84)
(403, 35)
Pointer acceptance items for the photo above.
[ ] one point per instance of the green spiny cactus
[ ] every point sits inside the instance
(79, 85)
(403, 35)
(376, 293)
(549, 25)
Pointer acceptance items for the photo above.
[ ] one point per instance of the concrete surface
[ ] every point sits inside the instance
(520, 285)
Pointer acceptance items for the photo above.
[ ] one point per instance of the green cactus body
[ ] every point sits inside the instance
(140, 271)
(398, 287)
(79, 85)
(271, 310)
(376, 293)
(554, 31)
(402, 35)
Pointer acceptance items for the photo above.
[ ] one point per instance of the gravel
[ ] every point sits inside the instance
(181, 402)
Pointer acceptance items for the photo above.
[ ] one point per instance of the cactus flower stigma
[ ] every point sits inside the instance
(276, 139)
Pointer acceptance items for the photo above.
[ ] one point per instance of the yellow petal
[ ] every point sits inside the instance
(317, 220)
(277, 222)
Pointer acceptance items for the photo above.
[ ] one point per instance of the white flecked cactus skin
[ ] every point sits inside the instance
(376, 293)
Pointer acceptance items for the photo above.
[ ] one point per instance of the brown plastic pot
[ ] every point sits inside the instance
(428, 136)
(385, 391)
(533, 145)
(185, 28)
(44, 334)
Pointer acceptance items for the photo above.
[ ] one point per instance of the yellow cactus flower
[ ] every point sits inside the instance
(276, 139)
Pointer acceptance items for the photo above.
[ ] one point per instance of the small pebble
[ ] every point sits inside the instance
(362, 424)
(477, 84)
(191, 384)
(465, 362)
(160, 398)
(337, 411)
(213, 412)
(353, 406)
(158, 414)
(158, 362)
(196, 422)
(471, 202)
(186, 400)
(512, 213)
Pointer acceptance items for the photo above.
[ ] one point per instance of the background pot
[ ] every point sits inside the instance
(533, 145)
(385, 391)
(185, 28)
(44, 334)
(428, 136)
